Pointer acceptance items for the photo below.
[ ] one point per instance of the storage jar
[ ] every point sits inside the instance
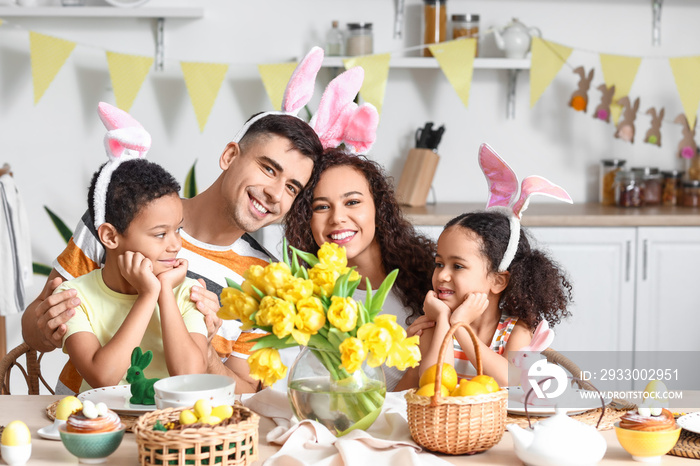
(671, 191)
(691, 193)
(435, 23)
(466, 26)
(360, 40)
(608, 170)
(651, 184)
(629, 190)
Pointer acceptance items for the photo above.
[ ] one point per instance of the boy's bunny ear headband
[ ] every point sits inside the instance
(338, 119)
(503, 195)
(125, 140)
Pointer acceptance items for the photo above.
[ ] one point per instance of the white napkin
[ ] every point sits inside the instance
(387, 441)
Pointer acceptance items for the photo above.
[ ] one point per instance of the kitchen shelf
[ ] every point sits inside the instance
(428, 62)
(101, 12)
(158, 14)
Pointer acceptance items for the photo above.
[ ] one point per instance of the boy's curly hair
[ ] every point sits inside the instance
(133, 185)
(538, 289)
(401, 246)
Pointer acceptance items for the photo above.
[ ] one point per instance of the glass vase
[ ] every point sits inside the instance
(318, 390)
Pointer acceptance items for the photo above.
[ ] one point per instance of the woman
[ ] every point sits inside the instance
(350, 201)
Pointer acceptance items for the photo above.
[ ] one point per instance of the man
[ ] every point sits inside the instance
(261, 176)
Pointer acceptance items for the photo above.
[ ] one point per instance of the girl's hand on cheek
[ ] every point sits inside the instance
(433, 308)
(138, 271)
(471, 308)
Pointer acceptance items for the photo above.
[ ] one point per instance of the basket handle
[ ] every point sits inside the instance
(441, 357)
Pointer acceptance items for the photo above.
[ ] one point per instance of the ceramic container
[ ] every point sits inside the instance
(185, 390)
(647, 447)
(92, 448)
(16, 455)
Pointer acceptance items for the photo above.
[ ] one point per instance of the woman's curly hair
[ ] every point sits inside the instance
(401, 246)
(538, 289)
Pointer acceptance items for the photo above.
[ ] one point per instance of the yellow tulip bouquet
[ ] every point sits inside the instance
(313, 306)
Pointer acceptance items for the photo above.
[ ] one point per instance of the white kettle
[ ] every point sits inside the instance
(515, 38)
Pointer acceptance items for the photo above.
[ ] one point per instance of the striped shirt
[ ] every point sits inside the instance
(211, 263)
(464, 368)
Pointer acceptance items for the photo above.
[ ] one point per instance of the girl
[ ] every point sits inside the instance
(350, 201)
(502, 308)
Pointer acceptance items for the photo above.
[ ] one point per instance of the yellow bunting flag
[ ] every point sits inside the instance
(48, 54)
(203, 82)
(685, 72)
(456, 58)
(128, 72)
(376, 74)
(275, 78)
(547, 59)
(619, 70)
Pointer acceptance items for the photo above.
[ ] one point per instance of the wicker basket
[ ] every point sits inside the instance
(235, 443)
(457, 425)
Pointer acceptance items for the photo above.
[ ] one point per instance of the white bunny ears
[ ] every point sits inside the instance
(503, 195)
(125, 140)
(338, 119)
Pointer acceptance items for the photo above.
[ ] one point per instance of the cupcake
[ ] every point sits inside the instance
(93, 419)
(647, 420)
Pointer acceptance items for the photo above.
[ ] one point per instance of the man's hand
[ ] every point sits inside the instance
(138, 271)
(208, 304)
(471, 308)
(52, 313)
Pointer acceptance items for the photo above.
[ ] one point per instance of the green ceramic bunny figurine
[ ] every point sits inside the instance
(142, 392)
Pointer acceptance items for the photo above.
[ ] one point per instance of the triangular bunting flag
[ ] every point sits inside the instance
(456, 59)
(686, 71)
(620, 71)
(128, 72)
(376, 74)
(275, 78)
(547, 59)
(48, 54)
(203, 82)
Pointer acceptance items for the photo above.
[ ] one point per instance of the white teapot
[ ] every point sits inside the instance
(515, 38)
(558, 440)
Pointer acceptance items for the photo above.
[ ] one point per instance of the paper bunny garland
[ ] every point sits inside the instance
(512, 198)
(126, 139)
(338, 119)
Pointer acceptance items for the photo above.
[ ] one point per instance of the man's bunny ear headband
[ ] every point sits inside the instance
(338, 119)
(125, 140)
(506, 196)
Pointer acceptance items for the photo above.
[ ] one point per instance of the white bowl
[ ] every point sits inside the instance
(185, 390)
(16, 455)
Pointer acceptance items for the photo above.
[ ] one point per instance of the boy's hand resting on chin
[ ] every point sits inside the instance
(173, 277)
(471, 308)
(138, 271)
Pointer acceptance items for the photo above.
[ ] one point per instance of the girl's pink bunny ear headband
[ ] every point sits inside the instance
(507, 196)
(125, 140)
(338, 119)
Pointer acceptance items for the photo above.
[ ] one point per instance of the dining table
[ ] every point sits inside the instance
(32, 410)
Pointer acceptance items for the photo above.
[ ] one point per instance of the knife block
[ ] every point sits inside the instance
(417, 176)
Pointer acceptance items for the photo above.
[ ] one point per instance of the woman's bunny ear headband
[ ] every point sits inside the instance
(338, 119)
(510, 198)
(125, 140)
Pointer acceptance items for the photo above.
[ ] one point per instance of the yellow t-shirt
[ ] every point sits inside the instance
(102, 311)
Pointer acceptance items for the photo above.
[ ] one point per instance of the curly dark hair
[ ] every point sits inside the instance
(538, 289)
(297, 131)
(132, 186)
(401, 246)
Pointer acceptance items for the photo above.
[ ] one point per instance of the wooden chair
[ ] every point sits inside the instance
(32, 371)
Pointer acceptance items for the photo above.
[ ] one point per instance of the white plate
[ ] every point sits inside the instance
(690, 422)
(117, 399)
(515, 405)
(49, 432)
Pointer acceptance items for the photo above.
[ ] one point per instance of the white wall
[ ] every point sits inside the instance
(55, 145)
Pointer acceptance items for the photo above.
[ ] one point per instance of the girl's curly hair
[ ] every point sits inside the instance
(538, 289)
(401, 246)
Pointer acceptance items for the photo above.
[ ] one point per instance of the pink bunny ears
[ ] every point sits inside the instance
(512, 198)
(125, 140)
(338, 119)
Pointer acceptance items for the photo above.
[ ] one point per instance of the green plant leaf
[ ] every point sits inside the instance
(189, 190)
(41, 269)
(65, 232)
(271, 341)
(306, 256)
(382, 292)
(368, 298)
(233, 284)
(341, 286)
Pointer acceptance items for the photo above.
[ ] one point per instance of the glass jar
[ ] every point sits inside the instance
(435, 23)
(360, 41)
(335, 42)
(629, 190)
(466, 26)
(691, 193)
(608, 170)
(671, 191)
(651, 184)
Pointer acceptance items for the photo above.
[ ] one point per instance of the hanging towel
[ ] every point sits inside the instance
(15, 249)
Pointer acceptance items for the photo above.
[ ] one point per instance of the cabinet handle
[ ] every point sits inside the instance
(628, 260)
(644, 259)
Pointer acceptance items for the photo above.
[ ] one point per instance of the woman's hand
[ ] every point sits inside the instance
(418, 325)
(433, 308)
(471, 308)
(138, 271)
(207, 303)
